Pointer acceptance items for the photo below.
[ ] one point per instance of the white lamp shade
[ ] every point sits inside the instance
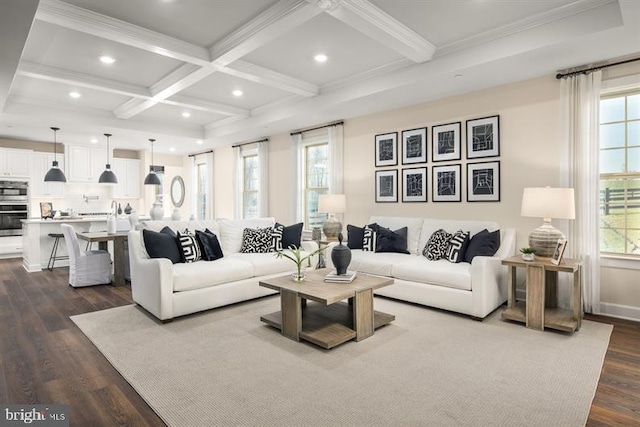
(548, 202)
(332, 203)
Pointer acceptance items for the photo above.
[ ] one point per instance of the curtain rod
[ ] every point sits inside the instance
(316, 128)
(202, 152)
(595, 67)
(252, 142)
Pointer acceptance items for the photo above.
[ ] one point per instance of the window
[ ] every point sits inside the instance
(620, 173)
(201, 190)
(316, 182)
(250, 186)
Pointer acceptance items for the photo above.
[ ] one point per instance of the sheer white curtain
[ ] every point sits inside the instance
(336, 156)
(580, 97)
(210, 212)
(297, 178)
(263, 170)
(193, 200)
(237, 182)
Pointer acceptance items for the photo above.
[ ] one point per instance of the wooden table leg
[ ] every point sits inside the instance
(511, 287)
(118, 262)
(363, 314)
(577, 301)
(291, 309)
(535, 297)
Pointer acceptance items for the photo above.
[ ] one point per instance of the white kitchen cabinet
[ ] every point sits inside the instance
(128, 173)
(84, 163)
(15, 163)
(40, 165)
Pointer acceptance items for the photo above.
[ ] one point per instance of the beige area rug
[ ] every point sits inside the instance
(428, 368)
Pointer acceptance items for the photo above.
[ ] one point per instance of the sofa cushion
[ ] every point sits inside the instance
(189, 246)
(484, 243)
(202, 274)
(457, 246)
(163, 244)
(230, 231)
(441, 272)
(413, 225)
(266, 263)
(436, 247)
(375, 263)
(209, 245)
(257, 240)
(391, 241)
(286, 237)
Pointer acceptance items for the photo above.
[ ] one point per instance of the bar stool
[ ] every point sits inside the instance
(54, 251)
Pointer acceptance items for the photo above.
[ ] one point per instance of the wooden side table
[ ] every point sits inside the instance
(541, 310)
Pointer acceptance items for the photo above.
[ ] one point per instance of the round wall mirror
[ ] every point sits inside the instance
(177, 191)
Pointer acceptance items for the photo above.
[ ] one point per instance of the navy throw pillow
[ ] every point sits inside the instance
(392, 241)
(291, 236)
(209, 245)
(484, 243)
(354, 236)
(162, 245)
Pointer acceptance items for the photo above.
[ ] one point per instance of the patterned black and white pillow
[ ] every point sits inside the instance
(436, 247)
(369, 239)
(458, 246)
(276, 237)
(257, 240)
(189, 245)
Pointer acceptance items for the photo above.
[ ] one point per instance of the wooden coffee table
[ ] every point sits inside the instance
(328, 321)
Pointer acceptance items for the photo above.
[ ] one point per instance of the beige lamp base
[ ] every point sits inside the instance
(331, 228)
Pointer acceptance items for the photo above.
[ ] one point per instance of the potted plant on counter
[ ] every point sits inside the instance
(528, 254)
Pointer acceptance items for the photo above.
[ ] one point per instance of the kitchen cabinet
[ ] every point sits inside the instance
(128, 173)
(15, 163)
(40, 165)
(84, 163)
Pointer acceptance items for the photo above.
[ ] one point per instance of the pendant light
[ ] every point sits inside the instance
(55, 174)
(152, 177)
(108, 177)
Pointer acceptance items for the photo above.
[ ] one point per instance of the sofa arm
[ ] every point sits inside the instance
(151, 279)
(488, 284)
(310, 246)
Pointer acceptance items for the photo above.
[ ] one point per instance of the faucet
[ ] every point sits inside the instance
(114, 207)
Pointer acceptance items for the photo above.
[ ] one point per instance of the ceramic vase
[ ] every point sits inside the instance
(156, 211)
(341, 257)
(175, 216)
(128, 209)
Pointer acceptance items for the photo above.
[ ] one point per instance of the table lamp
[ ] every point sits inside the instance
(547, 203)
(332, 204)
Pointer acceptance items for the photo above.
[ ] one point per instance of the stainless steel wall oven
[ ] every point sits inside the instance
(14, 206)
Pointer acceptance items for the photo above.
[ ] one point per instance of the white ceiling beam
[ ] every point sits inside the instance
(60, 75)
(377, 24)
(265, 76)
(208, 106)
(279, 19)
(86, 21)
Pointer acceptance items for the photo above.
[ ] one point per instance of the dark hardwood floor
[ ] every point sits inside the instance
(44, 358)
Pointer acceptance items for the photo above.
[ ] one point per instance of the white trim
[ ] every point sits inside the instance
(620, 84)
(620, 311)
(620, 262)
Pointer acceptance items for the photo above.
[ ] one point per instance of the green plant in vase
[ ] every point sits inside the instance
(528, 254)
(297, 256)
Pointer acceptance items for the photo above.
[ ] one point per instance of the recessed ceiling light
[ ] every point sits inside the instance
(237, 92)
(186, 114)
(74, 94)
(94, 140)
(172, 149)
(321, 57)
(457, 76)
(107, 59)
(199, 142)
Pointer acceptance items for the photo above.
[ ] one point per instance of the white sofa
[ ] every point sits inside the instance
(169, 290)
(474, 289)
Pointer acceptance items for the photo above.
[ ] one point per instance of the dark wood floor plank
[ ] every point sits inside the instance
(45, 358)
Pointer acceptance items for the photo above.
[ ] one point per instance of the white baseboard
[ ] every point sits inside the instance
(620, 311)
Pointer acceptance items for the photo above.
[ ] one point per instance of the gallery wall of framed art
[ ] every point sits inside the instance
(481, 178)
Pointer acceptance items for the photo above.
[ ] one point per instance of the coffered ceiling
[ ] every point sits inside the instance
(178, 62)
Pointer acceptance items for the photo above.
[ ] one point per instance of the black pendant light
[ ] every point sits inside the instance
(55, 174)
(108, 177)
(152, 177)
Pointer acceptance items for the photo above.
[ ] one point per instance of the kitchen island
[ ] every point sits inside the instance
(37, 245)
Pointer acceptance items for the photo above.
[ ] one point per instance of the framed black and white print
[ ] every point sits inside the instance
(483, 137)
(414, 185)
(387, 186)
(446, 183)
(445, 142)
(414, 146)
(483, 182)
(387, 149)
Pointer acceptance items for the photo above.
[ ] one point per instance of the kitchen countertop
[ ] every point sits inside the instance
(63, 219)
